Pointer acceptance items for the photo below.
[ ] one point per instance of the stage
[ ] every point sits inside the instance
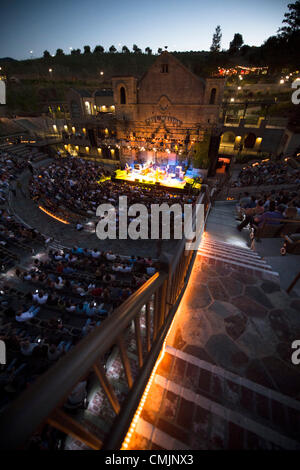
(167, 176)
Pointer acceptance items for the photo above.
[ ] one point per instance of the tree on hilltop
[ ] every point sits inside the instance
(236, 43)
(216, 40)
(98, 50)
(86, 49)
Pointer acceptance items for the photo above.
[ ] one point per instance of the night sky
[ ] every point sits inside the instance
(181, 25)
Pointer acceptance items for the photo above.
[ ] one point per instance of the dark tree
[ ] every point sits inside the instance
(86, 49)
(236, 43)
(75, 52)
(98, 50)
(125, 50)
(112, 49)
(291, 20)
(46, 54)
(216, 41)
(245, 49)
(136, 49)
(148, 50)
(159, 50)
(59, 52)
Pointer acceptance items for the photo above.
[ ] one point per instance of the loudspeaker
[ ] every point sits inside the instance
(213, 154)
(92, 137)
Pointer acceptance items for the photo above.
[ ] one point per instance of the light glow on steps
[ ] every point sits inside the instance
(63, 221)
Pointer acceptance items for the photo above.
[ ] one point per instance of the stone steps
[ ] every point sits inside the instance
(229, 248)
(243, 259)
(254, 261)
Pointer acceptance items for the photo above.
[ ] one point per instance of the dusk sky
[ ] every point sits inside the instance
(179, 24)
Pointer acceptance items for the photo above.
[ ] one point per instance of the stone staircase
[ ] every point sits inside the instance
(243, 259)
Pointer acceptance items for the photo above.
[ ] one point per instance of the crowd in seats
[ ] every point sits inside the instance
(74, 184)
(267, 173)
(57, 301)
(68, 182)
(271, 208)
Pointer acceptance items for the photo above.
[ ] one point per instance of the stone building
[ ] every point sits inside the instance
(166, 111)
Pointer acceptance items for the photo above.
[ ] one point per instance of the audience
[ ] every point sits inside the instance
(267, 173)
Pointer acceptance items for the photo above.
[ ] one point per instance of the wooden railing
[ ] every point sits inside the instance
(157, 301)
(293, 283)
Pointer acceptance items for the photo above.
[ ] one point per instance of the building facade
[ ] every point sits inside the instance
(167, 111)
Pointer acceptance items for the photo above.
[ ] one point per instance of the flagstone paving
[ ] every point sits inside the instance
(226, 380)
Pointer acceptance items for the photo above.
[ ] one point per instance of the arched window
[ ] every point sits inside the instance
(122, 95)
(213, 96)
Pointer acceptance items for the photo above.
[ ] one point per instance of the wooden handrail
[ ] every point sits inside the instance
(293, 283)
(22, 418)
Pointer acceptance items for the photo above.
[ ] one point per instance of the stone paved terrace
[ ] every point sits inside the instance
(226, 380)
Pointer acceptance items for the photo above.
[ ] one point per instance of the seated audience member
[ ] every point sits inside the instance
(251, 213)
(27, 348)
(272, 216)
(150, 270)
(40, 297)
(22, 316)
(54, 352)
